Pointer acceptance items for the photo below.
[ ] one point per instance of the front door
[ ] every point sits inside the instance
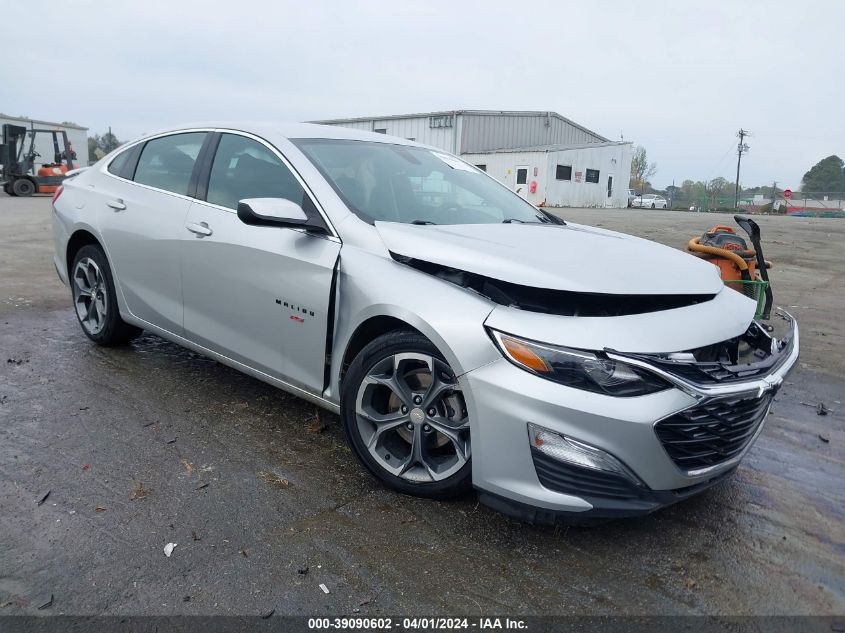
(521, 185)
(142, 224)
(256, 294)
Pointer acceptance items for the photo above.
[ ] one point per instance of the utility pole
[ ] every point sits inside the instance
(740, 149)
(774, 193)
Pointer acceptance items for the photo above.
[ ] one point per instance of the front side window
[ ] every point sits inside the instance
(592, 175)
(244, 168)
(167, 162)
(414, 185)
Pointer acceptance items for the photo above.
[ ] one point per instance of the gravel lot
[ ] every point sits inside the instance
(152, 444)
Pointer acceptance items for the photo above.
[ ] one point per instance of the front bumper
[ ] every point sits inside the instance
(506, 399)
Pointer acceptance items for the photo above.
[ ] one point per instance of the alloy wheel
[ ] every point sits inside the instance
(90, 295)
(412, 417)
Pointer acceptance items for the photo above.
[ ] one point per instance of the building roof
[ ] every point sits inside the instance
(269, 129)
(500, 113)
(551, 148)
(40, 122)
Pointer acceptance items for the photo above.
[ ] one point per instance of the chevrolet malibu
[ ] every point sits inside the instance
(465, 338)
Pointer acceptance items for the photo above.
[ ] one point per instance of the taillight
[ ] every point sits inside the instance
(58, 192)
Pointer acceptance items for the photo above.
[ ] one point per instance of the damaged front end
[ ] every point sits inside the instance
(752, 361)
(734, 383)
(554, 301)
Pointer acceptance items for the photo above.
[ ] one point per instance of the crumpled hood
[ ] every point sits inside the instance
(573, 257)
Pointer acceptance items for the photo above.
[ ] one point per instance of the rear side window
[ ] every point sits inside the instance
(119, 162)
(244, 168)
(167, 162)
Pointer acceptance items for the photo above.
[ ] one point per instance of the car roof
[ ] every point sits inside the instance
(290, 131)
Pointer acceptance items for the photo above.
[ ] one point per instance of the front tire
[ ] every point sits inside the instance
(95, 300)
(405, 416)
(23, 187)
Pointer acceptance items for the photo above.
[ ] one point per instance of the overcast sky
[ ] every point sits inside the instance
(679, 78)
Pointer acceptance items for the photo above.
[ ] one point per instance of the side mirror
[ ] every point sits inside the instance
(271, 212)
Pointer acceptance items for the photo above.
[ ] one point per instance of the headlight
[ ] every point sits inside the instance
(578, 368)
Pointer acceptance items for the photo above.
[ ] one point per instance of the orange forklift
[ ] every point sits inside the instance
(18, 173)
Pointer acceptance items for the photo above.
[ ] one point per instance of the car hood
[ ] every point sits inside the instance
(569, 257)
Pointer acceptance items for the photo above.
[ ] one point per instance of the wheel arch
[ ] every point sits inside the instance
(79, 238)
(368, 331)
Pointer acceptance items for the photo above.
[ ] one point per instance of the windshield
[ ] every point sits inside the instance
(414, 185)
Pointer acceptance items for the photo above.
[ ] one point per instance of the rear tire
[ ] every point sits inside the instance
(95, 300)
(23, 187)
(405, 416)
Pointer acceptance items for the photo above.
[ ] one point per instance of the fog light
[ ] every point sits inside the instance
(566, 449)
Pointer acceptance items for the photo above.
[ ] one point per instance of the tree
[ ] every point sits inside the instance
(99, 146)
(714, 189)
(826, 176)
(641, 170)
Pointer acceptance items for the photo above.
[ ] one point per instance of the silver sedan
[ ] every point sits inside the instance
(465, 337)
(650, 201)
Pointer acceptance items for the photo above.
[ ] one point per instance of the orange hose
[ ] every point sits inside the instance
(694, 246)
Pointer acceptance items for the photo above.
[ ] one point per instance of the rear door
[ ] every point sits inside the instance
(521, 184)
(143, 205)
(257, 294)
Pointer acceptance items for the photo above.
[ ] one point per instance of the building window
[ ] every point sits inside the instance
(563, 172)
(380, 130)
(481, 167)
(592, 175)
(521, 175)
(444, 120)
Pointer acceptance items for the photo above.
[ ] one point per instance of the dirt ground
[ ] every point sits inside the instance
(151, 444)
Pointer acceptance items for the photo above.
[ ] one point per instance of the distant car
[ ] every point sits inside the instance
(631, 195)
(650, 201)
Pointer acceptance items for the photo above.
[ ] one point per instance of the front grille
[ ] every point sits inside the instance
(574, 480)
(713, 432)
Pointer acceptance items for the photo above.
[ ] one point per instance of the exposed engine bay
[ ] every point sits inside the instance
(547, 301)
(754, 353)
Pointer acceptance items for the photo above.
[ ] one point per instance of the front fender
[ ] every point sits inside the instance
(451, 317)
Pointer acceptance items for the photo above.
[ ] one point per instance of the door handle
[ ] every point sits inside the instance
(201, 229)
(117, 205)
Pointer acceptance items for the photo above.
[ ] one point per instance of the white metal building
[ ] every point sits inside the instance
(77, 136)
(545, 157)
(587, 175)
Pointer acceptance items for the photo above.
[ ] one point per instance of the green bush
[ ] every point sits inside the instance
(766, 209)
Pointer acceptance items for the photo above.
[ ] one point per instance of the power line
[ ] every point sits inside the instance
(718, 164)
